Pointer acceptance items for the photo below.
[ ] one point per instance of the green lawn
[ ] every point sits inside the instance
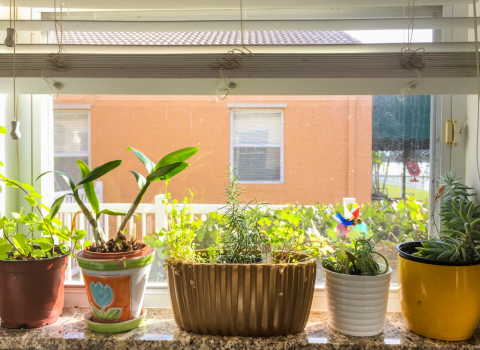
(396, 192)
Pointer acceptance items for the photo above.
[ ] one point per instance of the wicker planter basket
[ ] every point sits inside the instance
(242, 299)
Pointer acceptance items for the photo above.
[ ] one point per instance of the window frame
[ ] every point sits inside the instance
(282, 145)
(157, 294)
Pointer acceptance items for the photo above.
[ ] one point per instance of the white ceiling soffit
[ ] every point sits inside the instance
(255, 25)
(223, 4)
(201, 66)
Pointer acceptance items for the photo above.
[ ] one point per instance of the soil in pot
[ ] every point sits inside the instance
(32, 292)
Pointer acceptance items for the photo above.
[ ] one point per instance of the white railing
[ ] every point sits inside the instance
(153, 217)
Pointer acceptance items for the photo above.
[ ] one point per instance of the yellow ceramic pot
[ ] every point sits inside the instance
(439, 300)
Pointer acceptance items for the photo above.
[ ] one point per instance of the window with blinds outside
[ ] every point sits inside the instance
(257, 145)
(71, 143)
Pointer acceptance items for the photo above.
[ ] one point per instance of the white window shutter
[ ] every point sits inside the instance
(71, 142)
(257, 145)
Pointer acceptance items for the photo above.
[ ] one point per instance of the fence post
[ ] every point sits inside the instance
(347, 201)
(160, 215)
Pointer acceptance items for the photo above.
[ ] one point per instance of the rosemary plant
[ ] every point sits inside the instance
(242, 237)
(459, 240)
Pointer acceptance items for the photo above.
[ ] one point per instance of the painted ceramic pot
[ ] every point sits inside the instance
(115, 283)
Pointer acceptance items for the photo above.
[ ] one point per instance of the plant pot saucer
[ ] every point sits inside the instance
(114, 327)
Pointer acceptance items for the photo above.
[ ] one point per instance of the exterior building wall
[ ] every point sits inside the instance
(327, 145)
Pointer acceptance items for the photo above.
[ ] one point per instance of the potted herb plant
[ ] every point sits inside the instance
(32, 266)
(357, 288)
(439, 278)
(241, 285)
(116, 271)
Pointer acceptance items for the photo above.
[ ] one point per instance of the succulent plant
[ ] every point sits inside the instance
(460, 237)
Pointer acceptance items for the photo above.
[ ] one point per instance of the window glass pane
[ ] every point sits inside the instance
(305, 160)
(257, 139)
(70, 143)
(254, 164)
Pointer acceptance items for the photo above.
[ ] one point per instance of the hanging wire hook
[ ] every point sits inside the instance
(412, 60)
(233, 59)
(226, 85)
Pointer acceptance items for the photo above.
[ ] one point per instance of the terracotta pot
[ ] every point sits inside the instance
(31, 292)
(439, 299)
(242, 299)
(115, 284)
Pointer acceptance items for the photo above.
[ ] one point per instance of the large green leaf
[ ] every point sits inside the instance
(114, 213)
(99, 171)
(162, 171)
(175, 157)
(19, 240)
(89, 187)
(174, 172)
(140, 179)
(57, 204)
(67, 178)
(5, 248)
(143, 158)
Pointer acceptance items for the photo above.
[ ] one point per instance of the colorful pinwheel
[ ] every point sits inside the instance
(345, 225)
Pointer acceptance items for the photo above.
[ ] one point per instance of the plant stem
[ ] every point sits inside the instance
(133, 207)
(98, 234)
(13, 245)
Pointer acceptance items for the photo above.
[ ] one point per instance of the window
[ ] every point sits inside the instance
(257, 145)
(71, 143)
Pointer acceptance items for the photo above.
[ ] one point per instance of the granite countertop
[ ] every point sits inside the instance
(160, 332)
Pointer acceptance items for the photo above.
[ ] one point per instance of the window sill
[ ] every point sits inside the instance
(156, 296)
(160, 332)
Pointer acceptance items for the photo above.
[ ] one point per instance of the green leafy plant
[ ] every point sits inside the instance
(242, 238)
(87, 181)
(39, 243)
(460, 217)
(179, 237)
(166, 168)
(356, 258)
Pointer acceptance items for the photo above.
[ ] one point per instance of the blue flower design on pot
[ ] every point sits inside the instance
(102, 293)
(103, 296)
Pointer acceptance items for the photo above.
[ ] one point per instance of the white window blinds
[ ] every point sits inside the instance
(290, 39)
(71, 142)
(257, 145)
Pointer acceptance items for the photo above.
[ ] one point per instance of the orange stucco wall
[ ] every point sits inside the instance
(327, 145)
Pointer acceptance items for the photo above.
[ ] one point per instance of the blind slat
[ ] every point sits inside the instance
(256, 25)
(225, 4)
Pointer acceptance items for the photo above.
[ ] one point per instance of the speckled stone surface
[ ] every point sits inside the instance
(160, 332)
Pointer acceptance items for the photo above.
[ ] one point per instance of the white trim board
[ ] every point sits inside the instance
(158, 297)
(257, 105)
(259, 86)
(72, 106)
